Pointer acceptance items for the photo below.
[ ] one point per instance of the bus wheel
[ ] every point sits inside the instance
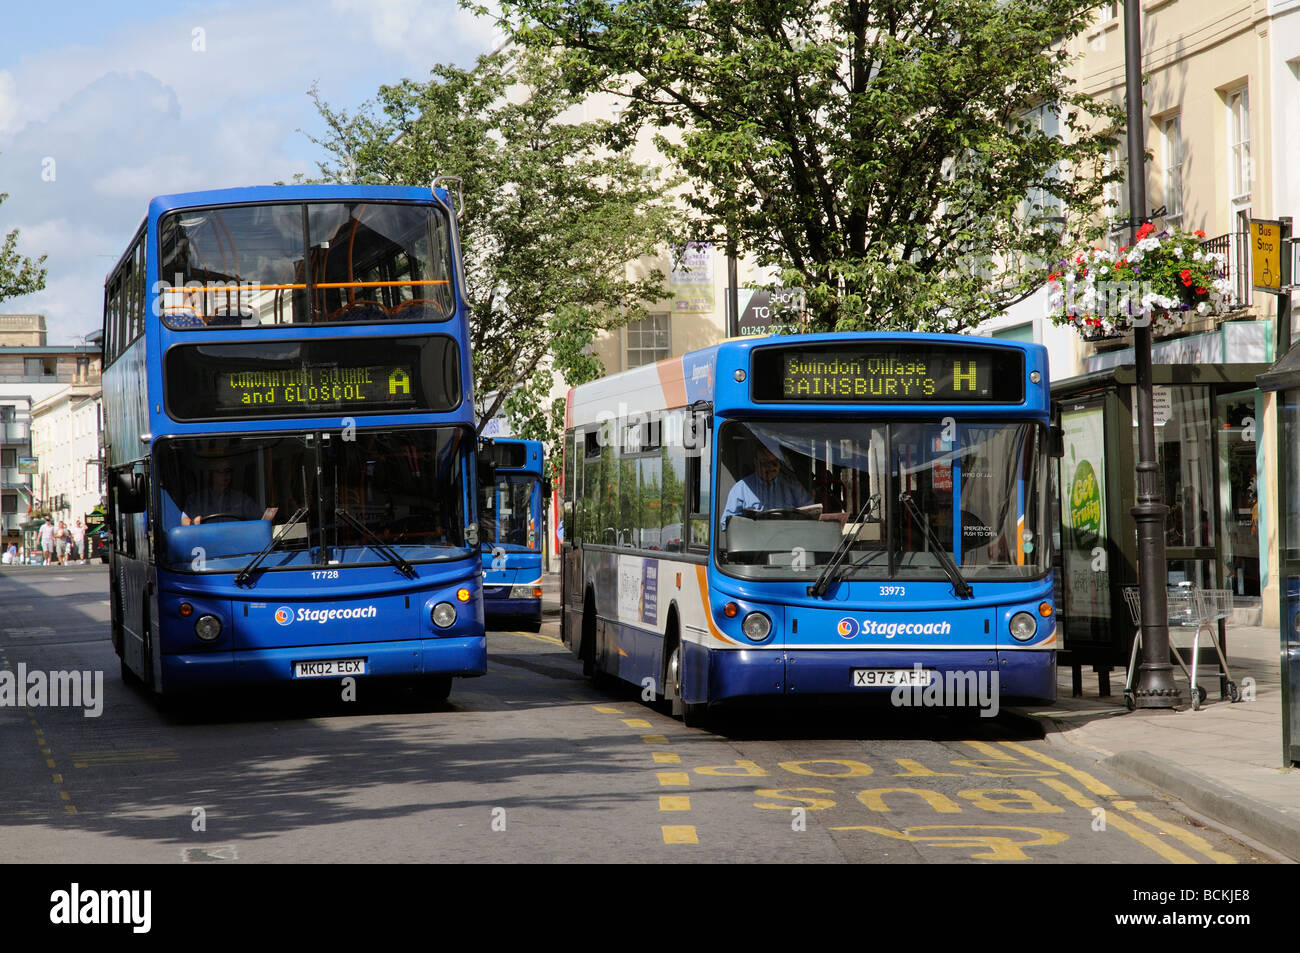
(692, 716)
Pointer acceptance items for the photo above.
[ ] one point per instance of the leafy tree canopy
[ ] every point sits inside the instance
(884, 155)
(554, 211)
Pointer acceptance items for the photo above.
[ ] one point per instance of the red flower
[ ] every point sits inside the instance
(1200, 233)
(1145, 230)
(1079, 260)
(1200, 291)
(1186, 275)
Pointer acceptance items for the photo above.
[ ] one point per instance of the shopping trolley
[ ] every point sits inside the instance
(1190, 608)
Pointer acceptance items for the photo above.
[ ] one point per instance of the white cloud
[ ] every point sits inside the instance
(142, 113)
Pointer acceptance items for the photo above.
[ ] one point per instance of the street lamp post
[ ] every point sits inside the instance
(1156, 687)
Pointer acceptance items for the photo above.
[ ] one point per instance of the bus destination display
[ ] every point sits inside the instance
(309, 378)
(888, 373)
(310, 387)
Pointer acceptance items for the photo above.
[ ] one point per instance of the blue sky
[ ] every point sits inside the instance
(103, 106)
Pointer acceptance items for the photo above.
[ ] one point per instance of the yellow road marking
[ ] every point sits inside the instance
(673, 779)
(1143, 837)
(680, 834)
(1083, 777)
(608, 709)
(667, 757)
(637, 723)
(997, 754)
(655, 739)
(674, 802)
(548, 639)
(1196, 843)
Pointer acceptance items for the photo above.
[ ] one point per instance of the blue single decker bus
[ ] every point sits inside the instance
(290, 441)
(511, 532)
(860, 516)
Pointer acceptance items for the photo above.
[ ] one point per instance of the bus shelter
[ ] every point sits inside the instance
(1209, 465)
(1284, 380)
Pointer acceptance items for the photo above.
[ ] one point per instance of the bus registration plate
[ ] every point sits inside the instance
(329, 668)
(891, 677)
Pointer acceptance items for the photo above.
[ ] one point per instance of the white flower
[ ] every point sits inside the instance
(1178, 251)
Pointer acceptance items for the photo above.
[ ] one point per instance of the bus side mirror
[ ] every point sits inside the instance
(130, 491)
(487, 472)
(1056, 447)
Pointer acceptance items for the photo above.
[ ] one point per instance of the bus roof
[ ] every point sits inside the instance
(709, 375)
(256, 194)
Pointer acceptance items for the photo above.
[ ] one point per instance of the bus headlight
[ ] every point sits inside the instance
(525, 592)
(1023, 626)
(207, 628)
(756, 627)
(443, 614)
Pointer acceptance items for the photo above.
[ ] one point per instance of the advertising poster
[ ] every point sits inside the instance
(1083, 516)
(691, 282)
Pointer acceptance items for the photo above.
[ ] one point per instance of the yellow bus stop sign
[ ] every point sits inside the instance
(1266, 255)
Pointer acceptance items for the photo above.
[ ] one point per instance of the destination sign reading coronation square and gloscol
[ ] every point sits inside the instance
(308, 387)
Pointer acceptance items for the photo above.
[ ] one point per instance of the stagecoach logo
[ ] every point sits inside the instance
(849, 627)
(284, 615)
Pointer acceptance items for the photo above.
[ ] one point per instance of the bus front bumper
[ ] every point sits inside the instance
(464, 656)
(954, 678)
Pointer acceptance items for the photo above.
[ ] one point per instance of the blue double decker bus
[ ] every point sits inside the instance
(855, 516)
(511, 531)
(290, 441)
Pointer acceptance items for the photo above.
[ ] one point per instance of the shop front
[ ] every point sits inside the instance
(1209, 461)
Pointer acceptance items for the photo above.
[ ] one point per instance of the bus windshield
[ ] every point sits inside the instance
(917, 499)
(506, 517)
(360, 501)
(292, 263)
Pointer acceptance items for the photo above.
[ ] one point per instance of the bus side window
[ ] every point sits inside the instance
(699, 480)
(570, 471)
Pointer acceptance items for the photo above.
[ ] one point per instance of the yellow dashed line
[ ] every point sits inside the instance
(674, 802)
(674, 779)
(608, 709)
(1143, 837)
(667, 757)
(637, 723)
(655, 739)
(1083, 777)
(680, 834)
(58, 778)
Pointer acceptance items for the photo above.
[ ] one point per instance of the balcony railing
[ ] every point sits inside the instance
(1235, 249)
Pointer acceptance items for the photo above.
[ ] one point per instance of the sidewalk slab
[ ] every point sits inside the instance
(1223, 761)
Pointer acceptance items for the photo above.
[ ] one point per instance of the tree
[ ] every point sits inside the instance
(554, 211)
(882, 154)
(18, 275)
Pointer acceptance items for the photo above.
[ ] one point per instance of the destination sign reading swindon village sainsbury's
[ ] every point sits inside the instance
(888, 372)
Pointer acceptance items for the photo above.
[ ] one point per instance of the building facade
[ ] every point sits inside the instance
(33, 375)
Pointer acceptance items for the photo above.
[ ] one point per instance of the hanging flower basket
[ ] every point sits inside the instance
(1161, 280)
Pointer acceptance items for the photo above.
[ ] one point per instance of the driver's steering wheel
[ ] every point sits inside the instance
(221, 518)
(780, 513)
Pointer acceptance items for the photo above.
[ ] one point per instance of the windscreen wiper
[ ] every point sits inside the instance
(392, 555)
(823, 583)
(246, 574)
(959, 583)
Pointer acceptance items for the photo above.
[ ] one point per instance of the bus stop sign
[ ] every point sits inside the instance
(1266, 255)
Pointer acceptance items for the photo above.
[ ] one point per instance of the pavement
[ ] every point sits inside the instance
(1223, 762)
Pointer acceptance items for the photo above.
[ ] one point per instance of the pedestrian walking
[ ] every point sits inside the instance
(62, 541)
(47, 540)
(79, 543)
